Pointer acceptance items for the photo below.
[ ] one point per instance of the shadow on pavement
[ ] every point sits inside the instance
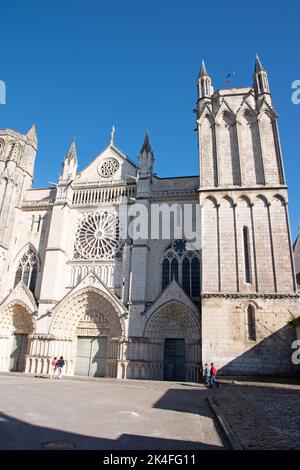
(19, 435)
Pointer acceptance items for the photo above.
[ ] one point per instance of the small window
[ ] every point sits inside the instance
(251, 323)
(247, 255)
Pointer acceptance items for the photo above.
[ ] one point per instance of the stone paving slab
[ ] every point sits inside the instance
(262, 418)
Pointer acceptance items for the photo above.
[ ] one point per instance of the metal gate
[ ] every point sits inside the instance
(174, 359)
(91, 356)
(18, 354)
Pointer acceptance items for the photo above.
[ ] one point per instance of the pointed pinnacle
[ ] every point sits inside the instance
(72, 154)
(146, 145)
(258, 65)
(112, 135)
(203, 70)
(32, 133)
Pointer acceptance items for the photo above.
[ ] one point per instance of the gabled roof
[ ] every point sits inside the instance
(92, 281)
(172, 293)
(22, 295)
(114, 150)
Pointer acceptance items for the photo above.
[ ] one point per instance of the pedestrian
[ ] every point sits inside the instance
(213, 376)
(60, 366)
(53, 367)
(206, 374)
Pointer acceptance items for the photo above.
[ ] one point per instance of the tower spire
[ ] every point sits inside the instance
(258, 65)
(203, 71)
(260, 78)
(204, 87)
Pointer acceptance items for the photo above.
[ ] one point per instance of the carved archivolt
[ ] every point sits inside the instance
(87, 307)
(173, 320)
(16, 318)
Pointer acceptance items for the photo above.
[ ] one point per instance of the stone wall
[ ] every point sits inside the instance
(226, 342)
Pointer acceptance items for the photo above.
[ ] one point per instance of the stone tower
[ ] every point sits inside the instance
(17, 156)
(248, 276)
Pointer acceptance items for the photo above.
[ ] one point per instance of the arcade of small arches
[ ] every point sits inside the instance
(234, 200)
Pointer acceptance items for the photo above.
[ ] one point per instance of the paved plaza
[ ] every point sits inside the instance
(262, 415)
(109, 414)
(40, 413)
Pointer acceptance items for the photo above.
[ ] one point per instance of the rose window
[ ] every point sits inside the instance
(97, 236)
(108, 168)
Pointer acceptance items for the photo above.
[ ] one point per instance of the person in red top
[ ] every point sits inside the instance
(53, 367)
(213, 376)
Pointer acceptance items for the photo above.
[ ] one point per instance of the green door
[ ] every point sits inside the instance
(91, 356)
(18, 354)
(174, 359)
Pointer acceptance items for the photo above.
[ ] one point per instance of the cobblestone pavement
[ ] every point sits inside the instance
(37, 413)
(262, 416)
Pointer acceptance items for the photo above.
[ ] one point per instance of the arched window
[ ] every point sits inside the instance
(247, 255)
(251, 323)
(182, 265)
(27, 270)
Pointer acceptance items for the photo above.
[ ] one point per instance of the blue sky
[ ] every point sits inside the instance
(76, 67)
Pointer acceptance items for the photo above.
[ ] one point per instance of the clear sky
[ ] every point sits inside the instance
(75, 68)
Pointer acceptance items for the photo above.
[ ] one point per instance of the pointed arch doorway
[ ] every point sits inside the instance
(91, 346)
(176, 330)
(22, 327)
(91, 325)
(16, 327)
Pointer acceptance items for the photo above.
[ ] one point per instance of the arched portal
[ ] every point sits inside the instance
(177, 329)
(17, 324)
(88, 328)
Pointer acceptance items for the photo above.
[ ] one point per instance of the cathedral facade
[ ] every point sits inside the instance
(149, 307)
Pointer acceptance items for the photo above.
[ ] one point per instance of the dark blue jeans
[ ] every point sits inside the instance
(213, 381)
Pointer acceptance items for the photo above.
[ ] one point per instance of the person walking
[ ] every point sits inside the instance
(206, 374)
(213, 376)
(60, 366)
(53, 367)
